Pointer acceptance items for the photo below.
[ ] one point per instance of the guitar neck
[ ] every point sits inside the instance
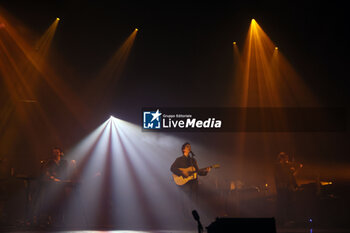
(205, 168)
(211, 166)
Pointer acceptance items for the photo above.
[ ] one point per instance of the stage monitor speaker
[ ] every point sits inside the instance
(242, 225)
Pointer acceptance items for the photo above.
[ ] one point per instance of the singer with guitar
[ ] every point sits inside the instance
(185, 167)
(185, 173)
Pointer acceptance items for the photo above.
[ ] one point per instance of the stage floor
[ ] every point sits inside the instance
(282, 230)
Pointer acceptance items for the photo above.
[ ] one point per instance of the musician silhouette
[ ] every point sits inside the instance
(56, 167)
(286, 185)
(54, 192)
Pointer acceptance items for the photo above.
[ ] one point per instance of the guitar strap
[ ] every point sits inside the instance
(192, 160)
(191, 157)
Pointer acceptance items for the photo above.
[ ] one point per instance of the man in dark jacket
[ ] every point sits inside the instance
(191, 187)
(54, 192)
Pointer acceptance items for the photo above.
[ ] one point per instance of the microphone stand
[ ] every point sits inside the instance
(192, 158)
(199, 224)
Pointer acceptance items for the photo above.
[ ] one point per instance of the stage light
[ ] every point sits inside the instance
(113, 119)
(111, 72)
(57, 19)
(234, 43)
(264, 78)
(323, 183)
(118, 154)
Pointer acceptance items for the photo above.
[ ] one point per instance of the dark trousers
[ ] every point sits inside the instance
(188, 197)
(285, 205)
(52, 203)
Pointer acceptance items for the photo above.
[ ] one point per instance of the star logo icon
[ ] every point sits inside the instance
(152, 119)
(156, 115)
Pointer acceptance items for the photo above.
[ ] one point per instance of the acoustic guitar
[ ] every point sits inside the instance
(189, 173)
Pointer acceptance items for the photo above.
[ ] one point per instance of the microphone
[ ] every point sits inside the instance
(195, 215)
(192, 153)
(199, 224)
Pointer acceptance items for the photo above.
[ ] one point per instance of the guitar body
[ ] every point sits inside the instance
(188, 173)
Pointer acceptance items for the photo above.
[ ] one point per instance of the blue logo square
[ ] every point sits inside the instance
(152, 119)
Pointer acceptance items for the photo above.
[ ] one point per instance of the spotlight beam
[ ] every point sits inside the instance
(110, 74)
